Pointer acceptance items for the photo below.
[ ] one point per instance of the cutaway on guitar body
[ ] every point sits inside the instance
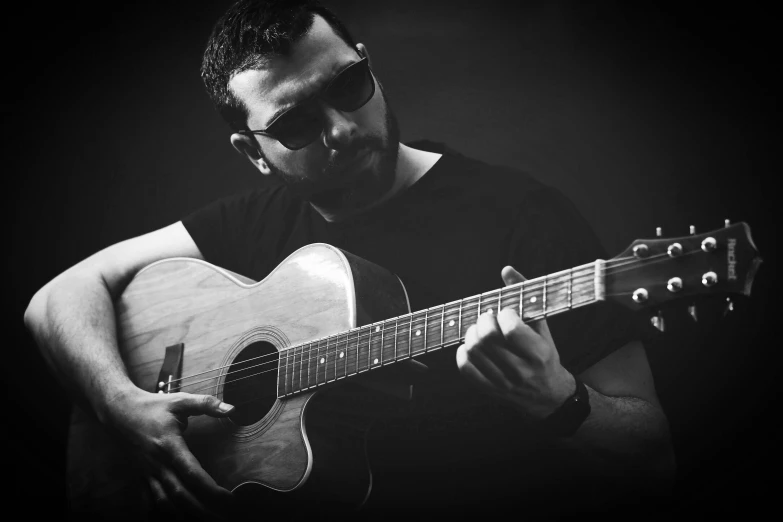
(291, 429)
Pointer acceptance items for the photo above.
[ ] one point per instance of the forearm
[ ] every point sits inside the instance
(73, 323)
(626, 432)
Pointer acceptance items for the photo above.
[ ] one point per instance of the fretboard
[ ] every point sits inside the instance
(365, 348)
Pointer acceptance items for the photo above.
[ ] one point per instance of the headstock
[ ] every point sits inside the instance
(651, 272)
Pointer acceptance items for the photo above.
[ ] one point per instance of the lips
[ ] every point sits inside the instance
(353, 164)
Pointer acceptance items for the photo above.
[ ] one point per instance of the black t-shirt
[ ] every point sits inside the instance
(447, 237)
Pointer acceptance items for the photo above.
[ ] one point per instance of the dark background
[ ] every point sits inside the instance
(645, 116)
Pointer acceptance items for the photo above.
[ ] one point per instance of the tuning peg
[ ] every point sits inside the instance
(729, 307)
(692, 312)
(726, 223)
(692, 230)
(658, 232)
(657, 321)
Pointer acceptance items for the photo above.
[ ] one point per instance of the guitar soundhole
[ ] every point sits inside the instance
(251, 383)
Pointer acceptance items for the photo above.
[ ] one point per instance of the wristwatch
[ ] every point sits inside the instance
(566, 419)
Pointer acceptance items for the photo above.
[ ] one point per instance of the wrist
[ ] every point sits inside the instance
(118, 398)
(566, 419)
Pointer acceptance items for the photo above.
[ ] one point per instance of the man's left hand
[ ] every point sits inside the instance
(514, 361)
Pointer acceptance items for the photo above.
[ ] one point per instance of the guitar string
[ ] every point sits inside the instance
(440, 308)
(363, 335)
(366, 331)
(587, 272)
(369, 367)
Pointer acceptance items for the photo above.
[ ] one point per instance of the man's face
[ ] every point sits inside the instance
(352, 163)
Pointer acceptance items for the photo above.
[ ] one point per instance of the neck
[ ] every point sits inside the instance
(411, 165)
(372, 346)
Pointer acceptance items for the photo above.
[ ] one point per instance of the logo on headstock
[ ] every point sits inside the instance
(732, 260)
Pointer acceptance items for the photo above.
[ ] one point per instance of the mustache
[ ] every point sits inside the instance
(339, 159)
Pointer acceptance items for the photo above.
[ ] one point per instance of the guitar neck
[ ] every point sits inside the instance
(347, 354)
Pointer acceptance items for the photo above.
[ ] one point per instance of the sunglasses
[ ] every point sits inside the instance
(302, 124)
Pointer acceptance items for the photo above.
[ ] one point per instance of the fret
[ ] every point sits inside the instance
(410, 336)
(280, 375)
(433, 332)
(288, 373)
(362, 353)
(297, 363)
(340, 358)
(369, 348)
(478, 308)
(358, 336)
(522, 300)
(459, 326)
(375, 346)
(403, 341)
(309, 359)
(320, 373)
(396, 332)
(570, 287)
(543, 307)
(533, 300)
(442, 321)
(417, 345)
(388, 350)
(426, 314)
(450, 323)
(500, 302)
(383, 334)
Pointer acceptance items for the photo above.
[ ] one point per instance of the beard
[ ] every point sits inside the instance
(338, 189)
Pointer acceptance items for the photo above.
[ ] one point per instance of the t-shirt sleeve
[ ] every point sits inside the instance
(552, 235)
(226, 229)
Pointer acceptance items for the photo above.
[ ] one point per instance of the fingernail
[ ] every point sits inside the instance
(225, 407)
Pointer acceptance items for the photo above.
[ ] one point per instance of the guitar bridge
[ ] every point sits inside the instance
(171, 371)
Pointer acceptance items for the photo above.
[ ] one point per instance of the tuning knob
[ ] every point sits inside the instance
(692, 230)
(726, 223)
(674, 284)
(709, 279)
(640, 295)
(657, 321)
(641, 251)
(674, 250)
(658, 232)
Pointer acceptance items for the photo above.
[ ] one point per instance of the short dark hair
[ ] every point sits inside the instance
(248, 33)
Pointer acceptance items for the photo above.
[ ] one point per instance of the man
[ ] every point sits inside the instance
(494, 425)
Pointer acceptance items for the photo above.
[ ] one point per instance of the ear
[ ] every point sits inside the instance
(362, 50)
(248, 147)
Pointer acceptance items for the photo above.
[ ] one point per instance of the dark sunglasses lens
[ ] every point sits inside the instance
(352, 88)
(297, 128)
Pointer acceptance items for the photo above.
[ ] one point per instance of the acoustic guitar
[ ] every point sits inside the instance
(278, 349)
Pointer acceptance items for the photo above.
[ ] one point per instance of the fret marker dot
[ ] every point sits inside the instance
(341, 355)
(377, 328)
(533, 299)
(418, 332)
(451, 323)
(375, 361)
(322, 360)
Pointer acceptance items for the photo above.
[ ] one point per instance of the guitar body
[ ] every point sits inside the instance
(308, 445)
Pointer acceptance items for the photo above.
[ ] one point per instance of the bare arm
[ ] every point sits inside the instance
(72, 319)
(519, 363)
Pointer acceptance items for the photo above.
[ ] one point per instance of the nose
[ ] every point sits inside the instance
(340, 130)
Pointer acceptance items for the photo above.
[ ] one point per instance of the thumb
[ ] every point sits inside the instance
(511, 276)
(191, 404)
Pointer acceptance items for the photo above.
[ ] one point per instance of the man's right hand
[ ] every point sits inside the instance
(153, 424)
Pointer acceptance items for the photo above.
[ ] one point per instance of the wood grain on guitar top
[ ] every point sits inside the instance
(317, 291)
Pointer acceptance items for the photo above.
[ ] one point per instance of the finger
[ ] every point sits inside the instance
(473, 353)
(191, 404)
(541, 327)
(179, 495)
(470, 371)
(522, 338)
(161, 501)
(195, 477)
(510, 276)
(487, 329)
